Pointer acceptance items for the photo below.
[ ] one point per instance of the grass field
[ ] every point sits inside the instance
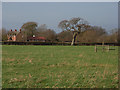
(58, 66)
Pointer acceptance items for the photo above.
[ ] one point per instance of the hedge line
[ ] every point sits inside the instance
(53, 43)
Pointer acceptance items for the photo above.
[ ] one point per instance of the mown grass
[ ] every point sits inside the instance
(58, 67)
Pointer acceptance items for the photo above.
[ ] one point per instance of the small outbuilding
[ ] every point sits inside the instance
(34, 38)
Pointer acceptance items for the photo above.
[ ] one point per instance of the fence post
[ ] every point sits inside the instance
(95, 48)
(103, 46)
(108, 48)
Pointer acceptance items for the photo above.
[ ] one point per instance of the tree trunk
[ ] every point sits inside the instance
(74, 38)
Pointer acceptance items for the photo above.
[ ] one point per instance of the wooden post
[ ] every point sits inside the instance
(95, 48)
(103, 46)
(108, 48)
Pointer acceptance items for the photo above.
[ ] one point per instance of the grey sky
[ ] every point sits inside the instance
(103, 14)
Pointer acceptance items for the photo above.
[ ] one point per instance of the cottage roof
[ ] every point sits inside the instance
(36, 38)
(13, 32)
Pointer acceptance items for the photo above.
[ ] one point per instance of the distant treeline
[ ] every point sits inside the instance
(93, 34)
(96, 34)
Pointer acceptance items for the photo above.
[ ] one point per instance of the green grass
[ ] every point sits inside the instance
(58, 67)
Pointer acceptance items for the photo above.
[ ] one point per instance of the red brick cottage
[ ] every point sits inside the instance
(14, 35)
(20, 36)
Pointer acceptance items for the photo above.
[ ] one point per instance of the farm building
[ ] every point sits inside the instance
(34, 38)
(21, 36)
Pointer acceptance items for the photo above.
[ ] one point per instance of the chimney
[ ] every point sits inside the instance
(20, 30)
(11, 30)
(15, 30)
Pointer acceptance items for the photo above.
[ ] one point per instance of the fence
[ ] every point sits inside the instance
(104, 48)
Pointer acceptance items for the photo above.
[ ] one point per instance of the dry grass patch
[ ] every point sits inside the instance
(81, 55)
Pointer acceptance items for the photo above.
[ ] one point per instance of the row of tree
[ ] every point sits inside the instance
(73, 30)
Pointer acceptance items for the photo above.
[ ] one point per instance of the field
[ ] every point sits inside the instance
(58, 67)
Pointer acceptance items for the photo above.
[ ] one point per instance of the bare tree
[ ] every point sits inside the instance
(76, 25)
(113, 37)
(42, 28)
(0, 34)
(64, 36)
(92, 35)
(3, 34)
(49, 34)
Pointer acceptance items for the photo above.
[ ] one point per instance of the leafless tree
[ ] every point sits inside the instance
(64, 36)
(93, 35)
(3, 34)
(76, 25)
(49, 34)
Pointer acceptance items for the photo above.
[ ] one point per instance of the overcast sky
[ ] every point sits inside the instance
(15, 14)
